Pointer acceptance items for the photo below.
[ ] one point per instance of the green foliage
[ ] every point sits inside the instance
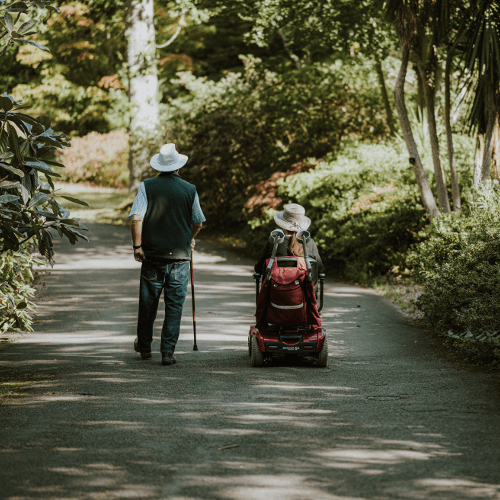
(458, 267)
(16, 292)
(364, 208)
(243, 128)
(475, 353)
(99, 159)
(29, 207)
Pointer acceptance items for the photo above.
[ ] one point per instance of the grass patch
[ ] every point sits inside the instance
(404, 294)
(104, 203)
(12, 389)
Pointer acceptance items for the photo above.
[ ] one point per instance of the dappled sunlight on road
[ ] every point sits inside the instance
(96, 422)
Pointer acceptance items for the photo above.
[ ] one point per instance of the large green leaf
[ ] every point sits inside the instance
(9, 184)
(18, 7)
(6, 103)
(41, 47)
(26, 27)
(77, 233)
(26, 188)
(38, 199)
(9, 22)
(44, 120)
(42, 167)
(13, 170)
(26, 118)
(14, 142)
(54, 163)
(7, 198)
(75, 200)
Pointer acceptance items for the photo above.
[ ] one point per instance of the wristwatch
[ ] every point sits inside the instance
(136, 247)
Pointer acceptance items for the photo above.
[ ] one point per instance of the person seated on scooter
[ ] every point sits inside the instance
(292, 219)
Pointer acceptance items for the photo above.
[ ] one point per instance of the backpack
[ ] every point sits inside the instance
(288, 298)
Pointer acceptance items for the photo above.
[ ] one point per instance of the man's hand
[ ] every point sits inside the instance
(195, 229)
(139, 254)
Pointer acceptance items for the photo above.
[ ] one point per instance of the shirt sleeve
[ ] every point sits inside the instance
(197, 216)
(140, 205)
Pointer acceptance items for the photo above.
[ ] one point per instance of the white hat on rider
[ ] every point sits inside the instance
(293, 218)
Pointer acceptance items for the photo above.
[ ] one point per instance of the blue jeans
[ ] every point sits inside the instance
(156, 276)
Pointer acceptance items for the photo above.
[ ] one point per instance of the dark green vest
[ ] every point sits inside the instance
(166, 230)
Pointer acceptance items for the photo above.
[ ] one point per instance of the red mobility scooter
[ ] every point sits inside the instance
(288, 320)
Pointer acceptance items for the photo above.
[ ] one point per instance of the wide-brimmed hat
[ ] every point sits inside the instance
(292, 218)
(168, 159)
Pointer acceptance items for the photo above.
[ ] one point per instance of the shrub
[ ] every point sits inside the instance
(242, 129)
(458, 267)
(364, 208)
(16, 292)
(99, 159)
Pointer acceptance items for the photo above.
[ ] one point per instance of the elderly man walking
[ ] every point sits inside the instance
(166, 217)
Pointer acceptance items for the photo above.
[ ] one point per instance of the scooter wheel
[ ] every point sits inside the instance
(257, 358)
(323, 355)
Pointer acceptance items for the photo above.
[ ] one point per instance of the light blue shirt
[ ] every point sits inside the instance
(140, 206)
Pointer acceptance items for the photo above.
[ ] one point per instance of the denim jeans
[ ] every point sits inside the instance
(155, 277)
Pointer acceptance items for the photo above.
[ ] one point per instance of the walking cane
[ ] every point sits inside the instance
(195, 347)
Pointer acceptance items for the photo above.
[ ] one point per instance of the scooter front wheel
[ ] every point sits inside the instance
(257, 357)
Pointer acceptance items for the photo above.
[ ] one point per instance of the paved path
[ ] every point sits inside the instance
(388, 420)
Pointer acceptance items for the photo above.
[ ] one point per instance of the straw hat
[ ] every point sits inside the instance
(293, 218)
(168, 159)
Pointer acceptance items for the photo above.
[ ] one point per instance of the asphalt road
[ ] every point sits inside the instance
(389, 419)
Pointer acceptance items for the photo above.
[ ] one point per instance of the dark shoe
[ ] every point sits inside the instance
(168, 359)
(144, 354)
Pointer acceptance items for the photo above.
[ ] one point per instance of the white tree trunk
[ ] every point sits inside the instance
(444, 203)
(143, 87)
(491, 114)
(478, 162)
(422, 181)
(455, 189)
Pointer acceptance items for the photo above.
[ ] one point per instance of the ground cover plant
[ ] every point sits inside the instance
(16, 290)
(458, 267)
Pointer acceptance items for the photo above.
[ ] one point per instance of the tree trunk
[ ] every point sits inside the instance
(496, 152)
(429, 92)
(491, 114)
(143, 87)
(420, 97)
(478, 160)
(455, 189)
(385, 96)
(422, 182)
(292, 56)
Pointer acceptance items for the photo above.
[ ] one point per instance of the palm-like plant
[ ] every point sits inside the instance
(482, 64)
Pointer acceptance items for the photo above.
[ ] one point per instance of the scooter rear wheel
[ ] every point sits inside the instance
(323, 355)
(257, 357)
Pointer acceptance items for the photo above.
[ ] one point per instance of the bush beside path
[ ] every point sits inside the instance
(83, 417)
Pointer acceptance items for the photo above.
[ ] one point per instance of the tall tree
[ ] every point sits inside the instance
(482, 60)
(403, 25)
(143, 86)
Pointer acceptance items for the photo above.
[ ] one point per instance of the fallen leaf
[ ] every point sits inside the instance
(230, 446)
